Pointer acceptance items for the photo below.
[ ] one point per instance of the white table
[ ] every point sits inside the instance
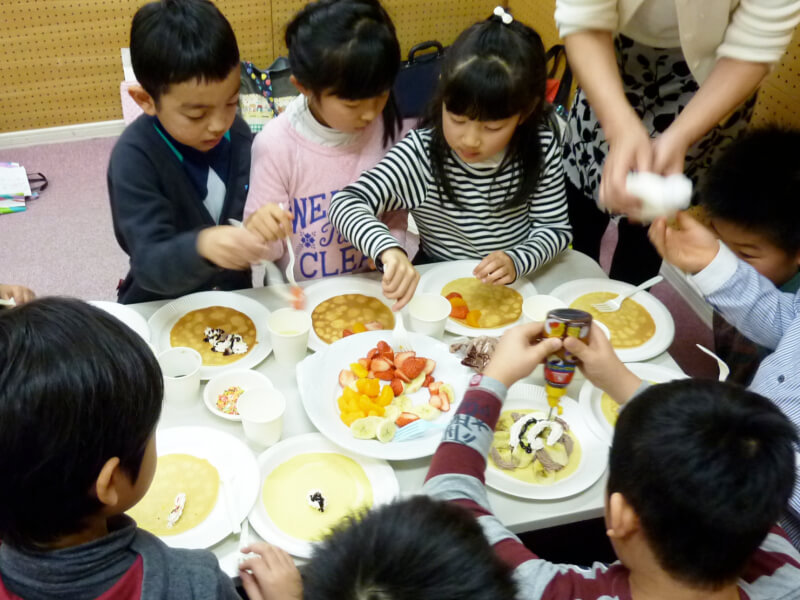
(517, 514)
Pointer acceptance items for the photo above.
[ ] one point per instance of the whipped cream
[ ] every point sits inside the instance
(227, 344)
(532, 434)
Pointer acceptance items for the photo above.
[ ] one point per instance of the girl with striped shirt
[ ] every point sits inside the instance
(483, 179)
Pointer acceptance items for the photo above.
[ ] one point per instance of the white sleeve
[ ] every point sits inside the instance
(760, 30)
(578, 15)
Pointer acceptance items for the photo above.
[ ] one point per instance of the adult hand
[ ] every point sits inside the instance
(629, 150)
(19, 293)
(270, 223)
(230, 247)
(600, 364)
(518, 353)
(669, 152)
(691, 248)
(400, 278)
(496, 268)
(271, 576)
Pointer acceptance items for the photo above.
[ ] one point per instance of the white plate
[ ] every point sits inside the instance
(318, 292)
(231, 457)
(439, 276)
(665, 326)
(127, 315)
(318, 382)
(384, 485)
(590, 397)
(594, 454)
(164, 319)
(244, 378)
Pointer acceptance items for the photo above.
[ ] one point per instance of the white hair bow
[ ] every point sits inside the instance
(504, 16)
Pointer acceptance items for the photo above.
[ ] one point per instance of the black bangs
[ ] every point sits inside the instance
(482, 90)
(364, 68)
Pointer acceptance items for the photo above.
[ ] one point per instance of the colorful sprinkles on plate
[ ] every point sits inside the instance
(226, 401)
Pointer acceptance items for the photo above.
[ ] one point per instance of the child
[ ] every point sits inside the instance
(80, 398)
(484, 180)
(344, 56)
(759, 219)
(180, 171)
(18, 293)
(690, 508)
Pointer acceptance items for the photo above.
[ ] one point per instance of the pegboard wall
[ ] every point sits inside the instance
(539, 15)
(779, 96)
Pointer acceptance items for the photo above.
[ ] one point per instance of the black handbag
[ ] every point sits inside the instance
(417, 78)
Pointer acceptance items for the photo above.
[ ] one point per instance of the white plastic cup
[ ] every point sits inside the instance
(428, 314)
(262, 411)
(535, 308)
(180, 368)
(288, 330)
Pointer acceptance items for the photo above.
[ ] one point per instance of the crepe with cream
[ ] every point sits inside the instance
(175, 474)
(288, 490)
(191, 331)
(499, 305)
(630, 326)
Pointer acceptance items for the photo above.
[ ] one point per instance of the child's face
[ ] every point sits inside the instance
(347, 116)
(757, 249)
(474, 141)
(198, 113)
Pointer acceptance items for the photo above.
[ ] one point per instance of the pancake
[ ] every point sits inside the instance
(499, 305)
(176, 473)
(534, 472)
(190, 329)
(340, 479)
(630, 326)
(355, 312)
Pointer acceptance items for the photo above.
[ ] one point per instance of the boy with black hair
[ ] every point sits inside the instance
(80, 397)
(758, 218)
(180, 171)
(738, 277)
(699, 472)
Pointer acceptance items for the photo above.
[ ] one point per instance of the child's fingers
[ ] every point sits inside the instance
(657, 235)
(250, 586)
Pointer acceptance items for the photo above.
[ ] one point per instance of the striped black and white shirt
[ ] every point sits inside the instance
(531, 234)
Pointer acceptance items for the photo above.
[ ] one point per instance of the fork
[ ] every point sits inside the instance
(274, 275)
(416, 430)
(400, 334)
(10, 302)
(724, 369)
(298, 297)
(613, 304)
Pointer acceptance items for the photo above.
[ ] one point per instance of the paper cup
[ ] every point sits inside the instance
(428, 314)
(180, 368)
(262, 411)
(535, 308)
(288, 330)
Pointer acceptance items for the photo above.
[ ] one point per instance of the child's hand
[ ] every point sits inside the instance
(230, 247)
(400, 278)
(497, 268)
(691, 248)
(600, 364)
(272, 576)
(20, 294)
(270, 222)
(518, 353)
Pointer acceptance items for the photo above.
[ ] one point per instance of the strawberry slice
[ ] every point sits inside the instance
(459, 312)
(453, 295)
(397, 387)
(413, 367)
(401, 357)
(387, 375)
(371, 375)
(435, 401)
(430, 365)
(402, 376)
(445, 402)
(372, 354)
(434, 387)
(428, 381)
(385, 350)
(380, 364)
(346, 332)
(405, 418)
(374, 325)
(346, 377)
(365, 362)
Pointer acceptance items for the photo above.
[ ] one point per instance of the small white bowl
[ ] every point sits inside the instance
(535, 308)
(244, 378)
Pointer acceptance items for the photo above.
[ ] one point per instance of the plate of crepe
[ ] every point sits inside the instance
(340, 304)
(183, 322)
(197, 462)
(640, 330)
(303, 473)
(601, 410)
(318, 379)
(500, 306)
(585, 457)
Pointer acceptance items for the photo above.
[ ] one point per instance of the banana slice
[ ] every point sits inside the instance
(404, 403)
(391, 412)
(386, 431)
(365, 428)
(425, 411)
